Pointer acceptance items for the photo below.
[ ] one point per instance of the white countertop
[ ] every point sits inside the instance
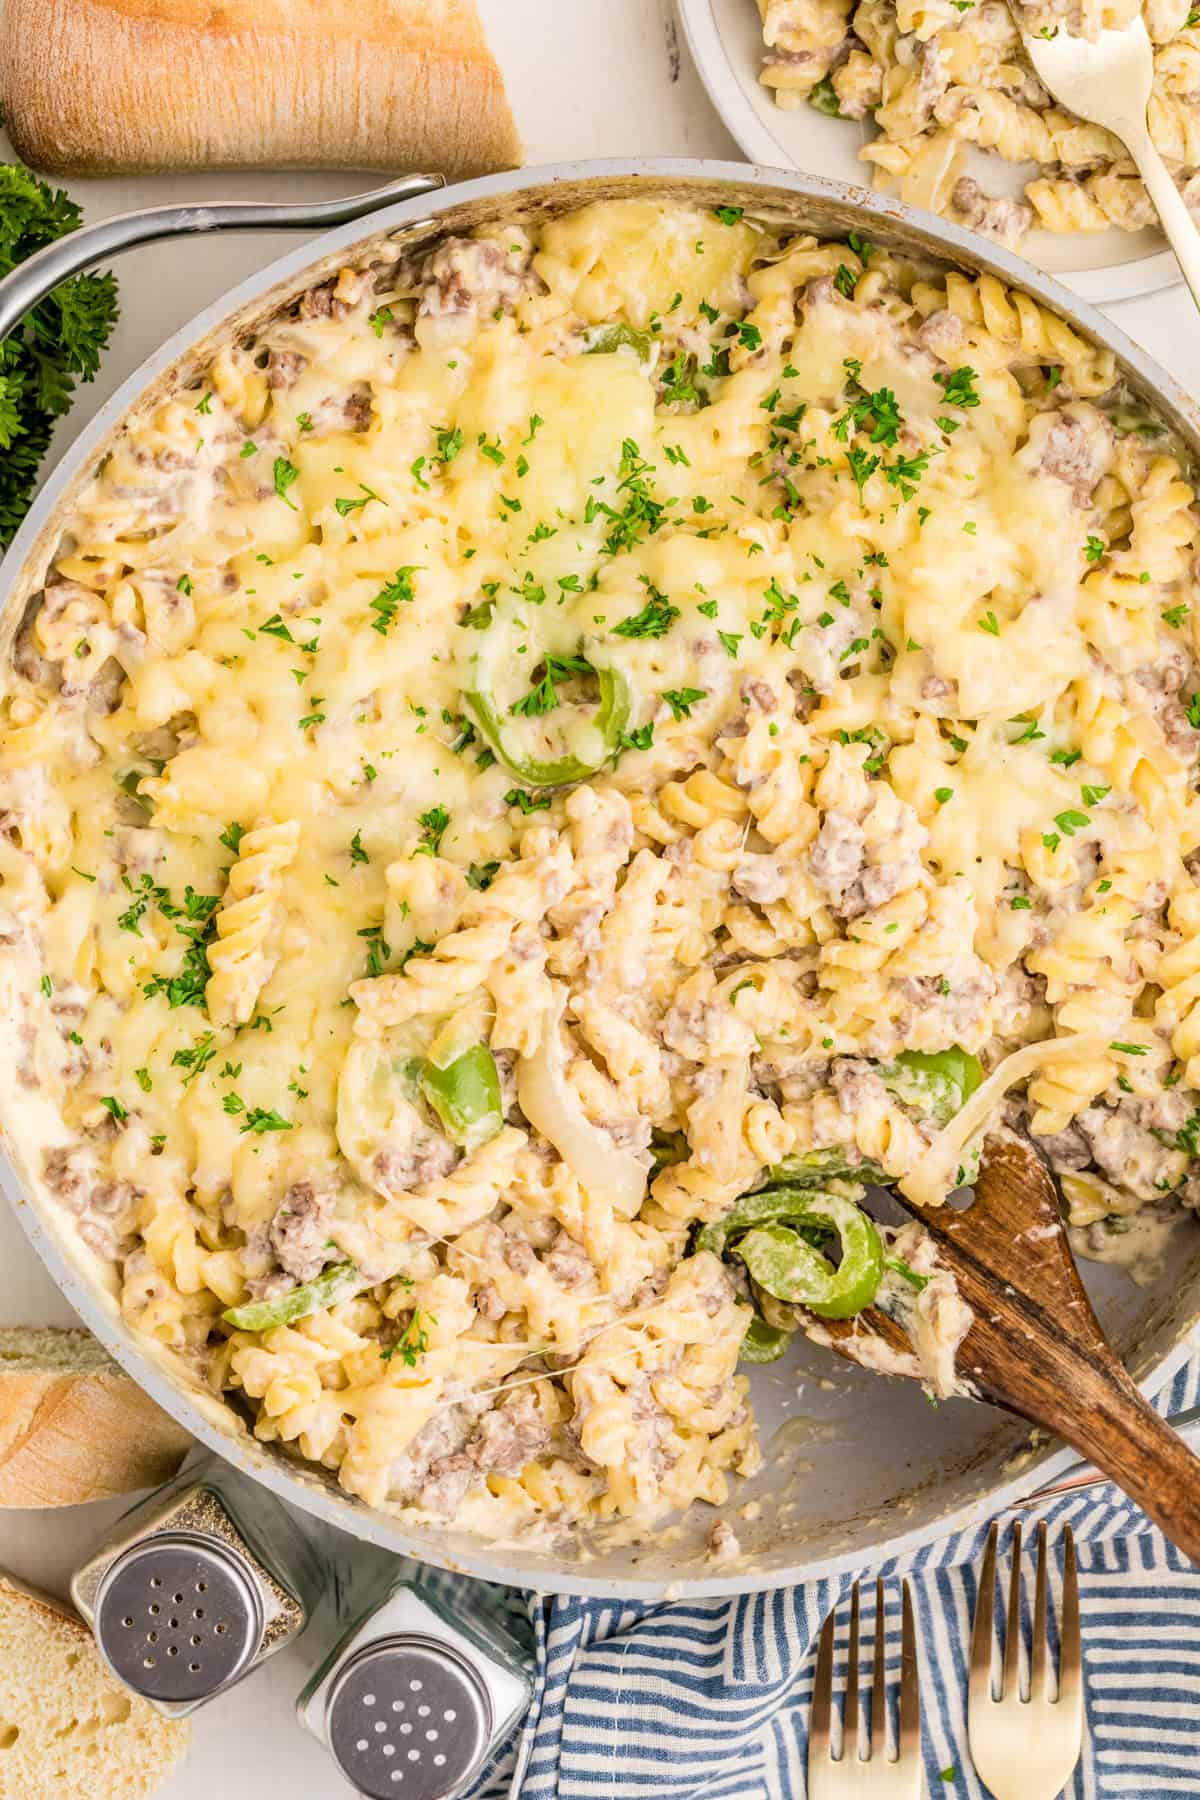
(587, 78)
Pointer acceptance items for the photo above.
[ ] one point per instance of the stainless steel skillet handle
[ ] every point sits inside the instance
(41, 274)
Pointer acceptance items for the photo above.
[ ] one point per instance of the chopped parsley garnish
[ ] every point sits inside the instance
(434, 825)
(990, 624)
(654, 621)
(640, 738)
(477, 618)
(357, 853)
(1095, 549)
(878, 412)
(449, 443)
(728, 215)
(543, 696)
(1175, 615)
(1093, 795)
(493, 452)
(1070, 822)
(260, 1119)
(285, 474)
(480, 876)
(862, 467)
(275, 627)
(1020, 903)
(412, 1342)
(749, 336)
(682, 700)
(379, 950)
(1128, 1049)
(640, 514)
(113, 1105)
(1065, 757)
(195, 1059)
(378, 319)
(344, 507)
(906, 471)
(958, 388)
(399, 591)
(528, 803)
(232, 837)
(845, 281)
(729, 641)
(941, 795)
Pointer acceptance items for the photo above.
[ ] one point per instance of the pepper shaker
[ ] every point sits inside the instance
(422, 1687)
(197, 1586)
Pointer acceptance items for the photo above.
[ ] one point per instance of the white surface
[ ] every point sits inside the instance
(587, 78)
(725, 37)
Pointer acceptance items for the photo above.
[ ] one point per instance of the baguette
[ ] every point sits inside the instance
(117, 87)
(68, 1729)
(73, 1426)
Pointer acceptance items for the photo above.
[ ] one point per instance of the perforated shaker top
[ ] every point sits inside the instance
(409, 1718)
(178, 1617)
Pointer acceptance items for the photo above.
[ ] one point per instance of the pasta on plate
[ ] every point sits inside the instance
(938, 77)
(552, 765)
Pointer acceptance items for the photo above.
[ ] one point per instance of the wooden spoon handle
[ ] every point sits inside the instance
(1135, 1446)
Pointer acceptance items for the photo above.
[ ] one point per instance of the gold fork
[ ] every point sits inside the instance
(873, 1776)
(1026, 1748)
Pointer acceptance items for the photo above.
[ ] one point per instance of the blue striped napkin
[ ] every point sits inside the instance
(710, 1697)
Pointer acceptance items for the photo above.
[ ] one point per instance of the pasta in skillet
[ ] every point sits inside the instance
(938, 76)
(549, 768)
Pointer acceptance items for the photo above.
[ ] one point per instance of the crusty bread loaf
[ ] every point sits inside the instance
(111, 87)
(68, 1729)
(73, 1426)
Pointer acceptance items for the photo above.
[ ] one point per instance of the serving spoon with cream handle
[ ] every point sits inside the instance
(1035, 1346)
(1108, 81)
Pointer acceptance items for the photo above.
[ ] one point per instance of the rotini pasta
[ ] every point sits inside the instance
(935, 75)
(541, 739)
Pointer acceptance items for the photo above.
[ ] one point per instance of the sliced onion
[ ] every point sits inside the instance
(929, 1182)
(552, 1107)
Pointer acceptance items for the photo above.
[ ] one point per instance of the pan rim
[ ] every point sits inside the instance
(27, 556)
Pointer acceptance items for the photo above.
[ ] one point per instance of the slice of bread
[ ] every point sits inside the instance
(68, 1729)
(114, 87)
(73, 1426)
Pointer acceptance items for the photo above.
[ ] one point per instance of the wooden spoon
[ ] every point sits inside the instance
(1036, 1347)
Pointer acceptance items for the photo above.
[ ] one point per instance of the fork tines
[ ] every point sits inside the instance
(854, 1772)
(1026, 1745)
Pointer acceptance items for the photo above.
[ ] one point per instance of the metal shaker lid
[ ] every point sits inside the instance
(178, 1617)
(408, 1718)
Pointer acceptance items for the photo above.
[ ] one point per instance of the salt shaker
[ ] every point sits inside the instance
(196, 1586)
(422, 1687)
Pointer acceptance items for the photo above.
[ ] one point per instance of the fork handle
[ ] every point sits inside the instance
(1177, 221)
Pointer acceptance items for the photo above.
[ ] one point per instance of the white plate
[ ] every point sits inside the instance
(725, 39)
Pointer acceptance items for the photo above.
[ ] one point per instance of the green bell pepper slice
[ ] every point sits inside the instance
(764, 1207)
(794, 1271)
(819, 1166)
(602, 340)
(937, 1083)
(763, 1343)
(466, 1096)
(611, 720)
(340, 1281)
